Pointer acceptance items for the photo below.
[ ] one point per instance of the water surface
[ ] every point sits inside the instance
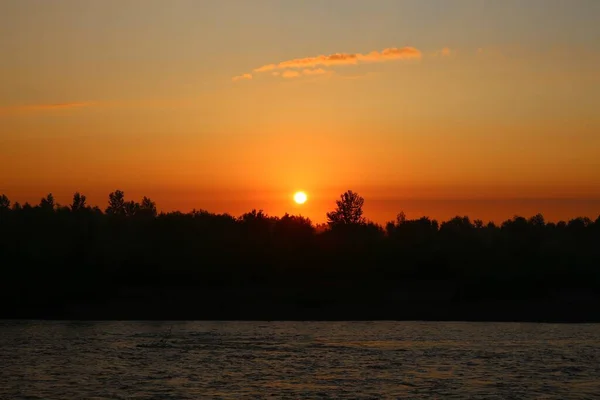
(232, 360)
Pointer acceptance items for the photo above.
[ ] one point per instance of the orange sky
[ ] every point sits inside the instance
(428, 107)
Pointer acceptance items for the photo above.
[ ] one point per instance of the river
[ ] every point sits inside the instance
(237, 360)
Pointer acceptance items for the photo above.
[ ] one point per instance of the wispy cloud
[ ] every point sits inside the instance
(290, 74)
(42, 107)
(308, 64)
(318, 71)
(445, 52)
(242, 77)
(345, 59)
(307, 72)
(354, 77)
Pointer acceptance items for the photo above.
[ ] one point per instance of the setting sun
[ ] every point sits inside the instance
(300, 197)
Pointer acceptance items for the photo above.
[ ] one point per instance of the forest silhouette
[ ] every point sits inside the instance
(130, 262)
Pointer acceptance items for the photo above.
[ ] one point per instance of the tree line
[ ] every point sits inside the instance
(53, 256)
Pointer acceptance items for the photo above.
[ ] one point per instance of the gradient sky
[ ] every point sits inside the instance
(489, 108)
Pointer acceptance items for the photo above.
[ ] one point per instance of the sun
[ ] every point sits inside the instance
(300, 197)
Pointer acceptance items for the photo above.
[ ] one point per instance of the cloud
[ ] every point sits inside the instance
(445, 52)
(388, 54)
(391, 54)
(318, 71)
(43, 107)
(353, 77)
(242, 77)
(290, 74)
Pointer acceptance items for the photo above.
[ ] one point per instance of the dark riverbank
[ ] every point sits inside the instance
(129, 262)
(289, 304)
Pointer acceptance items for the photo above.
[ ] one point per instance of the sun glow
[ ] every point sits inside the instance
(300, 197)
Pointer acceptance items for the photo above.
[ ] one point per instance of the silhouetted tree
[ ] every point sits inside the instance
(116, 203)
(253, 217)
(4, 207)
(579, 223)
(391, 226)
(321, 228)
(47, 203)
(400, 218)
(4, 202)
(97, 210)
(78, 202)
(292, 227)
(257, 223)
(517, 224)
(456, 225)
(411, 232)
(537, 221)
(348, 211)
(147, 207)
(131, 208)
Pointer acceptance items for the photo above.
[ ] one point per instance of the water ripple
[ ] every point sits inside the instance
(233, 360)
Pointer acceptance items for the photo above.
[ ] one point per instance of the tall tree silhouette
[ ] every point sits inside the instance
(148, 207)
(4, 202)
(348, 211)
(131, 208)
(4, 206)
(47, 203)
(78, 202)
(116, 203)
